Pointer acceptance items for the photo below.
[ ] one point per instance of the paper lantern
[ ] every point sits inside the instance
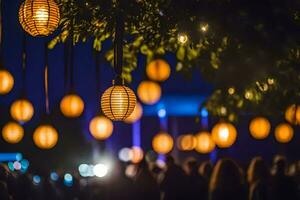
(6, 81)
(292, 114)
(101, 127)
(137, 154)
(72, 105)
(259, 128)
(284, 133)
(45, 137)
(118, 102)
(149, 92)
(12, 132)
(136, 114)
(162, 143)
(39, 17)
(186, 142)
(22, 110)
(224, 134)
(204, 143)
(158, 70)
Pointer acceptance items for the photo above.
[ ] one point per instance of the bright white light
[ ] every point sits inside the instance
(162, 113)
(17, 165)
(125, 154)
(224, 133)
(100, 170)
(68, 177)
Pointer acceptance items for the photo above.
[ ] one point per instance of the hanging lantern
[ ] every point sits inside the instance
(22, 110)
(224, 134)
(45, 137)
(259, 128)
(101, 128)
(39, 17)
(6, 81)
(135, 115)
(149, 92)
(284, 133)
(12, 132)
(204, 143)
(158, 70)
(162, 143)
(137, 154)
(118, 102)
(292, 114)
(186, 142)
(72, 105)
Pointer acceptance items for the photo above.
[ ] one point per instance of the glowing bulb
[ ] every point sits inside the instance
(100, 170)
(231, 90)
(182, 38)
(204, 27)
(224, 133)
(162, 113)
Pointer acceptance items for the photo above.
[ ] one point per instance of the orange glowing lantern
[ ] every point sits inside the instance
(158, 70)
(186, 142)
(284, 133)
(204, 142)
(162, 143)
(118, 102)
(137, 154)
(259, 128)
(101, 127)
(224, 134)
(149, 92)
(12, 132)
(39, 17)
(6, 81)
(292, 114)
(72, 105)
(45, 137)
(22, 110)
(135, 115)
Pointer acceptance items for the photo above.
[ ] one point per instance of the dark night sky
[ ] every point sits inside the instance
(75, 143)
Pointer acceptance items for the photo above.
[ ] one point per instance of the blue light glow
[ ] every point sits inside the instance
(162, 113)
(24, 164)
(5, 157)
(10, 166)
(54, 176)
(68, 180)
(204, 112)
(36, 179)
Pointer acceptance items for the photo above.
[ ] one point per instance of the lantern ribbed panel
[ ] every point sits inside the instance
(39, 17)
(118, 102)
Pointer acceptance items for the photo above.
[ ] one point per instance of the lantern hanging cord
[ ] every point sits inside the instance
(118, 46)
(1, 29)
(46, 81)
(72, 56)
(66, 64)
(98, 75)
(24, 64)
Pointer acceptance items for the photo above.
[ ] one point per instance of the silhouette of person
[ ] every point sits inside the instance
(227, 182)
(173, 184)
(258, 179)
(282, 186)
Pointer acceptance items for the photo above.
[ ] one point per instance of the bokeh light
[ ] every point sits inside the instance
(100, 170)
(125, 154)
(224, 134)
(204, 142)
(284, 133)
(259, 128)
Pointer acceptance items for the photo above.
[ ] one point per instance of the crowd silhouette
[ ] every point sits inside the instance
(225, 180)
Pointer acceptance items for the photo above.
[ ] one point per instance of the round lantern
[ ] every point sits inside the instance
(224, 134)
(204, 143)
(45, 137)
(12, 132)
(39, 17)
(284, 133)
(137, 154)
(292, 114)
(22, 110)
(6, 81)
(158, 70)
(72, 105)
(118, 102)
(162, 143)
(259, 128)
(101, 128)
(186, 142)
(136, 114)
(149, 92)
